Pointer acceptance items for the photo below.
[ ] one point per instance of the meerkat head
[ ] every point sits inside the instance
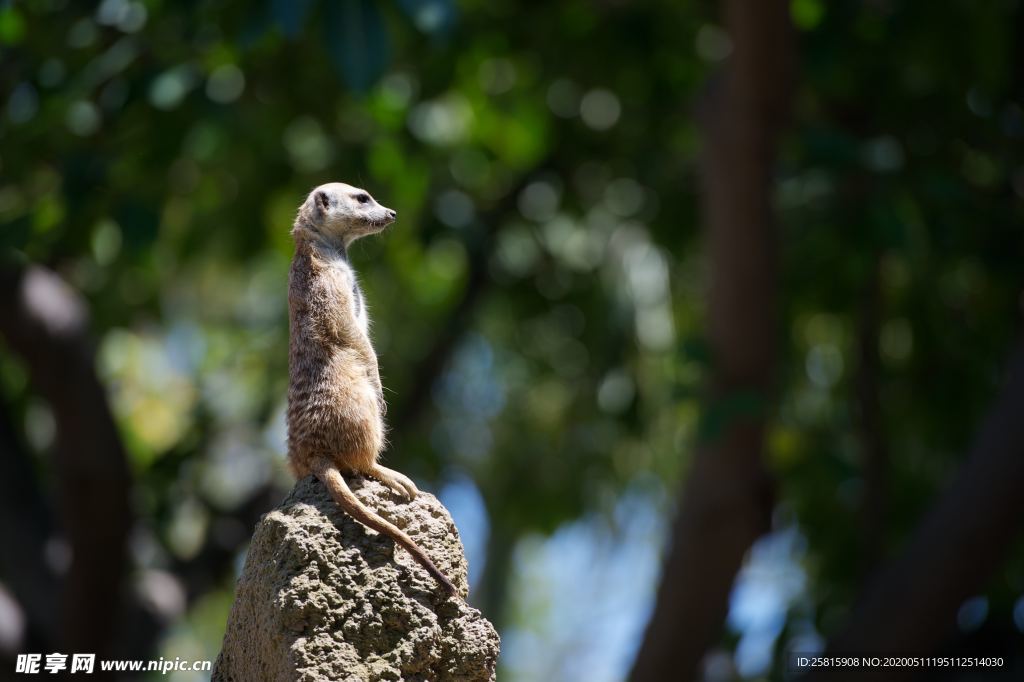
(344, 213)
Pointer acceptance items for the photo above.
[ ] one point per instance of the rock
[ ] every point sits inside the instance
(322, 597)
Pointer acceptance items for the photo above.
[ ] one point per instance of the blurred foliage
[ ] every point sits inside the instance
(154, 153)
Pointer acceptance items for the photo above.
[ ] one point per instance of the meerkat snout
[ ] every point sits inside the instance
(346, 212)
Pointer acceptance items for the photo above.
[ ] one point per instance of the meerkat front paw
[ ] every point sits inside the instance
(400, 483)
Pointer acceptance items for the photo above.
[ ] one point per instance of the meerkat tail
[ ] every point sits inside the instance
(331, 477)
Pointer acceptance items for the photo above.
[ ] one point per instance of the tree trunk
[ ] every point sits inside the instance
(45, 323)
(871, 425)
(25, 523)
(726, 499)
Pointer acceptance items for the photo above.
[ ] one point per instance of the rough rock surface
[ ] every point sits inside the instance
(322, 597)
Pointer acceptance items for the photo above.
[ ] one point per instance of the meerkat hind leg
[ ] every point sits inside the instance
(400, 483)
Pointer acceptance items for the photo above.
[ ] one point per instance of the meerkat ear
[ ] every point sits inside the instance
(322, 201)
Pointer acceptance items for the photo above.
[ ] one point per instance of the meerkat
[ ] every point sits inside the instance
(335, 401)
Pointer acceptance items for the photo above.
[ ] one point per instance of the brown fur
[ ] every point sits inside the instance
(335, 400)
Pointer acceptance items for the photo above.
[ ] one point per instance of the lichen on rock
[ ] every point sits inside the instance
(322, 597)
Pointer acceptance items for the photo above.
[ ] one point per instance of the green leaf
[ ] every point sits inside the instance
(807, 14)
(291, 15)
(434, 17)
(12, 26)
(357, 42)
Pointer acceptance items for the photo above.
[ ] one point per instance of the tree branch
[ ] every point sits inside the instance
(216, 558)
(911, 605)
(430, 367)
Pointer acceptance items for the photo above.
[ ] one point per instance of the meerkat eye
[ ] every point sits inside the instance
(363, 198)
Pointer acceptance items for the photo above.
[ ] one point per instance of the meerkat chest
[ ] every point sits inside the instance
(350, 293)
